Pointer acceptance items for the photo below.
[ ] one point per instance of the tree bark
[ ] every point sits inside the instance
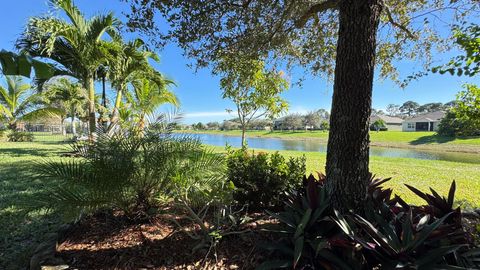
(348, 144)
(91, 106)
(244, 139)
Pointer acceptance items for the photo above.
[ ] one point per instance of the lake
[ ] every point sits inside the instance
(315, 146)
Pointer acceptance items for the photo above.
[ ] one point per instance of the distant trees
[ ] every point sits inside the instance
(409, 108)
(393, 110)
(430, 107)
(313, 120)
(412, 108)
(293, 122)
(229, 125)
(213, 125)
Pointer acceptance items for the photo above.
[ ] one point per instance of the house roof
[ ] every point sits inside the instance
(387, 119)
(427, 117)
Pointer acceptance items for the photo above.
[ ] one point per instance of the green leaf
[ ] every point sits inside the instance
(297, 253)
(303, 223)
(274, 264)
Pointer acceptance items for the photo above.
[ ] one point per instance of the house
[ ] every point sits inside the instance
(392, 123)
(423, 122)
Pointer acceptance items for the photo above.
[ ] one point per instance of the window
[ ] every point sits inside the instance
(410, 125)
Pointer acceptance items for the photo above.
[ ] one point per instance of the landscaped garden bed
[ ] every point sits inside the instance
(106, 241)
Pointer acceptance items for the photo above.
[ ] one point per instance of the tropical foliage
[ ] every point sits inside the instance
(134, 172)
(76, 44)
(69, 97)
(390, 234)
(17, 102)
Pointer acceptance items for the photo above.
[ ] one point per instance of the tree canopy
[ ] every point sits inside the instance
(303, 33)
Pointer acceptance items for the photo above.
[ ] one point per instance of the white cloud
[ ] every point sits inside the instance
(206, 114)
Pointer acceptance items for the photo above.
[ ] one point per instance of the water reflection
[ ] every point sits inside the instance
(315, 146)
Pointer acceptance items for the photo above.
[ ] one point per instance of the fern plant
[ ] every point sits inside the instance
(131, 171)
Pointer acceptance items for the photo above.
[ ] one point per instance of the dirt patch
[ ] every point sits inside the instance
(114, 242)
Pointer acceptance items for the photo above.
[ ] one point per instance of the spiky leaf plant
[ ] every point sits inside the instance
(131, 171)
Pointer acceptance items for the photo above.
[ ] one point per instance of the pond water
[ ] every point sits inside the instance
(315, 146)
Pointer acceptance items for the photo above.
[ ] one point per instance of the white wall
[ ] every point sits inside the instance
(406, 128)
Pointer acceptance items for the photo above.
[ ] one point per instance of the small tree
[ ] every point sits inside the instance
(254, 90)
(378, 125)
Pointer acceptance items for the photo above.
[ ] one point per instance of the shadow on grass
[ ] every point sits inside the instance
(435, 138)
(19, 152)
(21, 230)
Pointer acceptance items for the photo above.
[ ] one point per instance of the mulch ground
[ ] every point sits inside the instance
(111, 241)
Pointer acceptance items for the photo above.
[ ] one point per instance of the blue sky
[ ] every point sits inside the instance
(199, 92)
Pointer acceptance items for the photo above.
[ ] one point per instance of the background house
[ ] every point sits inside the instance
(424, 122)
(392, 123)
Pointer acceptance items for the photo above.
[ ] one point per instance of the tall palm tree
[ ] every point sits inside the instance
(147, 95)
(17, 102)
(75, 43)
(132, 60)
(68, 96)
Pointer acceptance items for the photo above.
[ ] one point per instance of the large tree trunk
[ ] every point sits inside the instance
(348, 143)
(91, 106)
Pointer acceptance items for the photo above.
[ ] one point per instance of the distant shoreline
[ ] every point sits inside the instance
(322, 137)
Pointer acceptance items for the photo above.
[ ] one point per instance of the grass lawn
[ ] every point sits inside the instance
(419, 140)
(22, 231)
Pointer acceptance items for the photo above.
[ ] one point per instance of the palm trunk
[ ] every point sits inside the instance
(89, 85)
(118, 101)
(348, 144)
(74, 129)
(64, 130)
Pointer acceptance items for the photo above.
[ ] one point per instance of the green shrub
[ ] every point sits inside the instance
(261, 180)
(451, 125)
(19, 136)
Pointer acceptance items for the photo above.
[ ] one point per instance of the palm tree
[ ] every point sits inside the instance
(18, 103)
(147, 95)
(68, 96)
(75, 43)
(132, 60)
